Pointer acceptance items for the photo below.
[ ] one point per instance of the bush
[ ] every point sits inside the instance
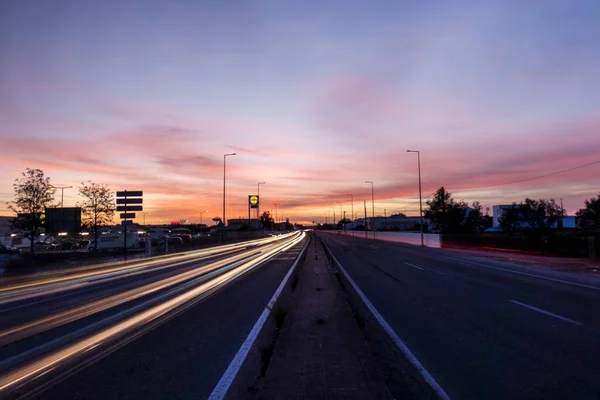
(565, 243)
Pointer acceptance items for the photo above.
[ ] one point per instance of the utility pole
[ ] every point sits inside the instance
(224, 162)
(420, 194)
(384, 219)
(62, 212)
(366, 232)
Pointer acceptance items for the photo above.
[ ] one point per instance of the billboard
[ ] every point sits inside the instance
(67, 219)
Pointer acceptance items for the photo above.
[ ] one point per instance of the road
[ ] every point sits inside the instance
(165, 327)
(482, 328)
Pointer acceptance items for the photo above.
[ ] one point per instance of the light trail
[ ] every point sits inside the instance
(80, 277)
(119, 330)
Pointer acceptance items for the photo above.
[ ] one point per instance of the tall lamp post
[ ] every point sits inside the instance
(420, 195)
(201, 213)
(62, 205)
(352, 199)
(372, 204)
(258, 205)
(352, 216)
(275, 204)
(224, 158)
(341, 215)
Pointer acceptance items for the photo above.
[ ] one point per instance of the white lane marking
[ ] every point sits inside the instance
(232, 370)
(546, 312)
(401, 345)
(525, 273)
(415, 266)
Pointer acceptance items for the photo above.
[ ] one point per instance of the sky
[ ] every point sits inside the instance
(313, 97)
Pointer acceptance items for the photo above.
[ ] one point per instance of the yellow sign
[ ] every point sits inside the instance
(253, 200)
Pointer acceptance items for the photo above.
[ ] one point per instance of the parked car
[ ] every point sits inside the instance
(8, 250)
(171, 240)
(185, 236)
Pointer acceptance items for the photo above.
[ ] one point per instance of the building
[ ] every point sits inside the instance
(560, 223)
(497, 212)
(237, 223)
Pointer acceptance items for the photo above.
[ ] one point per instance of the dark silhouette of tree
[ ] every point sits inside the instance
(267, 220)
(589, 216)
(445, 213)
(476, 221)
(531, 214)
(98, 206)
(32, 195)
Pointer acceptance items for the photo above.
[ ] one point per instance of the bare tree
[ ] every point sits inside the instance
(98, 206)
(32, 195)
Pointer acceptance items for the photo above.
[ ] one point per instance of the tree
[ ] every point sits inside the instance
(531, 214)
(476, 221)
(445, 213)
(32, 195)
(267, 220)
(98, 206)
(589, 216)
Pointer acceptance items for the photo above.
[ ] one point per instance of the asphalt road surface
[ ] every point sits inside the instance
(483, 329)
(161, 328)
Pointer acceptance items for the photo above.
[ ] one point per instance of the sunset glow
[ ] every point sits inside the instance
(315, 98)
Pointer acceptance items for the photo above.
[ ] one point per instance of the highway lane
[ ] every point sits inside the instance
(113, 320)
(482, 328)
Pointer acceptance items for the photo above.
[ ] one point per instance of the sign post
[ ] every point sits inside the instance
(126, 198)
(253, 202)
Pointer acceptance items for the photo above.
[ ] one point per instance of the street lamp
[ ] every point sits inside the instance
(420, 195)
(62, 206)
(224, 158)
(352, 199)
(62, 194)
(202, 213)
(275, 204)
(372, 204)
(334, 221)
(258, 205)
(341, 214)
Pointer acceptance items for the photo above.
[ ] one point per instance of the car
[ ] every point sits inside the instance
(171, 240)
(9, 250)
(186, 237)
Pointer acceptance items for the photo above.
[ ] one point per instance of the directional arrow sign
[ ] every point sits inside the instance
(130, 201)
(130, 193)
(127, 215)
(129, 208)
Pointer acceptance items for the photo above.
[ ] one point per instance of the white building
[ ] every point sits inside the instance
(497, 212)
(560, 223)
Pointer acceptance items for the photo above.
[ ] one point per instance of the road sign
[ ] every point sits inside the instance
(127, 200)
(132, 193)
(129, 222)
(129, 208)
(253, 201)
(127, 216)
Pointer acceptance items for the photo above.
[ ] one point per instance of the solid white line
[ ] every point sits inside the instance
(415, 266)
(232, 370)
(525, 273)
(401, 345)
(546, 312)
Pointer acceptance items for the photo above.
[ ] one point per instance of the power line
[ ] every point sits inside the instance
(531, 179)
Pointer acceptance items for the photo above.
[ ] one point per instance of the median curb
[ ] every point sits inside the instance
(259, 348)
